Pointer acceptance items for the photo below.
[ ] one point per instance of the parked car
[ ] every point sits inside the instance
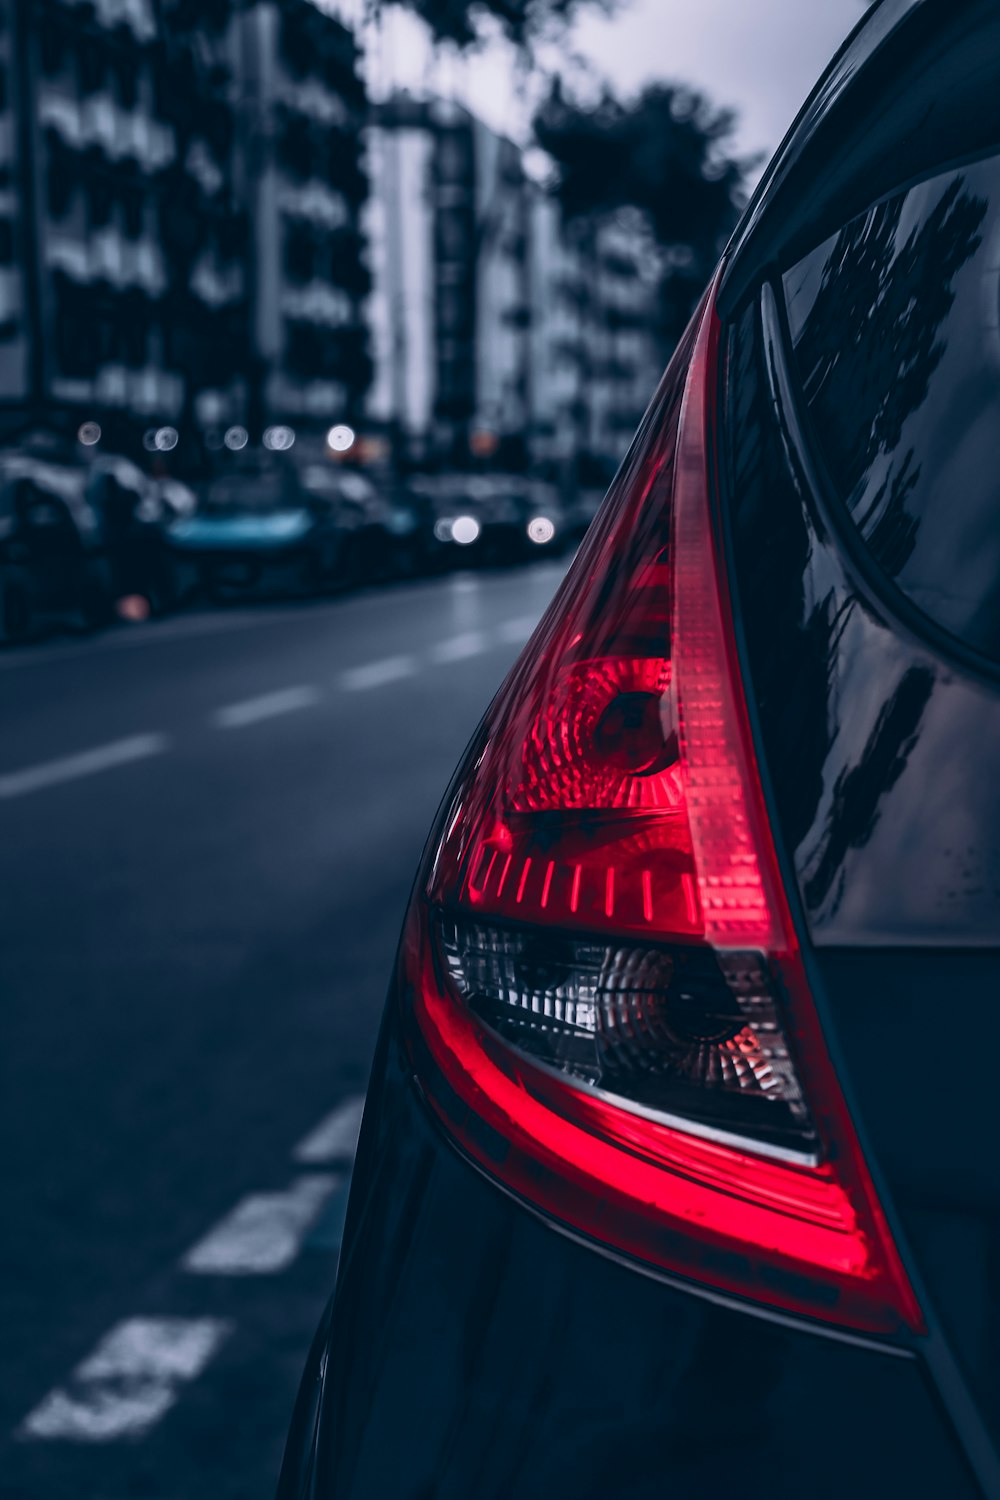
(172, 498)
(381, 533)
(678, 1172)
(53, 570)
(259, 529)
(133, 513)
(545, 527)
(490, 518)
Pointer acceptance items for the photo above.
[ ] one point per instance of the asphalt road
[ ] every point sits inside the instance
(208, 828)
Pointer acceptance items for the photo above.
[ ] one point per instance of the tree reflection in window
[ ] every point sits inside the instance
(869, 346)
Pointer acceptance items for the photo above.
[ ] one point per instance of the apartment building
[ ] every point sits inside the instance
(499, 333)
(306, 184)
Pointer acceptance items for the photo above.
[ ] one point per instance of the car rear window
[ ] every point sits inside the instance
(895, 328)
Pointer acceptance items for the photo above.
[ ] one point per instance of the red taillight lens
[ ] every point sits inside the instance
(609, 1006)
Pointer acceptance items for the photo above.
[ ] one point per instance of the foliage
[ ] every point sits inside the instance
(666, 154)
(522, 21)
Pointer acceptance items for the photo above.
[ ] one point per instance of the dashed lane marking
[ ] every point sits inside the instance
(334, 1139)
(254, 710)
(515, 632)
(267, 706)
(130, 1381)
(377, 673)
(264, 1232)
(85, 763)
(459, 647)
(137, 1371)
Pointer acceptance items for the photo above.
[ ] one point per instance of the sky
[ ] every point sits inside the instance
(760, 57)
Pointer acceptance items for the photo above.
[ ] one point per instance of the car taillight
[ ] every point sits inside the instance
(606, 1004)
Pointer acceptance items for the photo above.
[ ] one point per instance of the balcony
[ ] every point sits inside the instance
(99, 122)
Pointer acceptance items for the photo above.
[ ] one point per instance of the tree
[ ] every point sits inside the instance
(666, 154)
(522, 21)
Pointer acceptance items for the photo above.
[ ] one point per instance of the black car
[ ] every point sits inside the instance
(379, 530)
(133, 513)
(678, 1175)
(485, 518)
(54, 568)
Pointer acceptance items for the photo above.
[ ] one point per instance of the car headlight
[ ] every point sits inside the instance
(465, 530)
(541, 530)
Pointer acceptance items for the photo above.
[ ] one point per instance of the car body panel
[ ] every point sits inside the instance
(473, 1349)
(877, 749)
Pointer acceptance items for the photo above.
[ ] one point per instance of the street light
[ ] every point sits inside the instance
(340, 438)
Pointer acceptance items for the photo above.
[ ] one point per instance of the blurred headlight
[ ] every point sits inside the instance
(541, 530)
(464, 530)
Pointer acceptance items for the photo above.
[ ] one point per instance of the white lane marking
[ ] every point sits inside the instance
(86, 763)
(459, 647)
(267, 706)
(263, 1233)
(377, 673)
(130, 1381)
(153, 633)
(336, 1137)
(515, 632)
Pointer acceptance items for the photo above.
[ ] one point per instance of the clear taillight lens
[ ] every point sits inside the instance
(683, 1035)
(610, 1009)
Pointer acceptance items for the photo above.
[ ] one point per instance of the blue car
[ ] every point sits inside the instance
(258, 532)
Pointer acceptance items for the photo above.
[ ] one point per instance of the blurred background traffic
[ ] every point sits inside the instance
(323, 327)
(275, 314)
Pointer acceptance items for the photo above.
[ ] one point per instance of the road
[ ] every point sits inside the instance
(209, 827)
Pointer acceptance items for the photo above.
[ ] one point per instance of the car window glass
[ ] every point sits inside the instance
(895, 327)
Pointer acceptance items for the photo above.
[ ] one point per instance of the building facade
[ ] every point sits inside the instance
(403, 308)
(125, 292)
(500, 334)
(307, 185)
(180, 194)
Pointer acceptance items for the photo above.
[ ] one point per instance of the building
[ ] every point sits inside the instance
(450, 310)
(400, 226)
(620, 354)
(306, 186)
(124, 288)
(180, 194)
(499, 334)
(502, 416)
(558, 342)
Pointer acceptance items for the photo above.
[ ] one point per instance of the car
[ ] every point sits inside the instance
(133, 513)
(380, 531)
(678, 1171)
(491, 518)
(53, 567)
(259, 528)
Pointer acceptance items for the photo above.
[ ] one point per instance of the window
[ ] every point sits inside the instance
(895, 328)
(133, 208)
(300, 253)
(100, 202)
(126, 82)
(91, 63)
(60, 179)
